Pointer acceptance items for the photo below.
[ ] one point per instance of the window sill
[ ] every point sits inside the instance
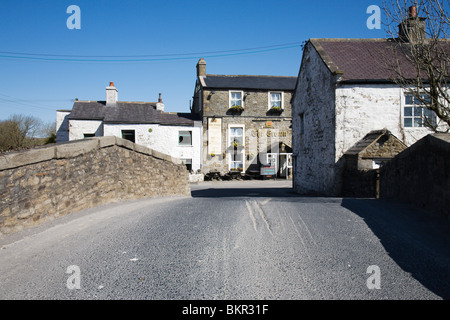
(416, 128)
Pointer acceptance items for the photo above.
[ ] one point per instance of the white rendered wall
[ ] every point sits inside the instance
(62, 126)
(163, 139)
(364, 108)
(77, 128)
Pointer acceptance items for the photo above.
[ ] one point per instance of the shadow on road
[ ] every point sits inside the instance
(243, 192)
(255, 189)
(418, 242)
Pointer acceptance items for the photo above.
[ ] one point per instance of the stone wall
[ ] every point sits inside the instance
(420, 175)
(256, 104)
(57, 180)
(257, 137)
(361, 183)
(254, 118)
(313, 110)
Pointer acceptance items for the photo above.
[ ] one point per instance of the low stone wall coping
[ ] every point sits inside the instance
(60, 179)
(74, 148)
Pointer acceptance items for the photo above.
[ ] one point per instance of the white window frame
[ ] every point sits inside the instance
(128, 131)
(185, 145)
(269, 99)
(229, 145)
(229, 97)
(413, 116)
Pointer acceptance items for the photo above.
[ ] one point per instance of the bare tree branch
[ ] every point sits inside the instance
(420, 62)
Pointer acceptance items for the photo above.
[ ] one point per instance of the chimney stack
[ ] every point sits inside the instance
(201, 68)
(160, 104)
(413, 29)
(111, 95)
(412, 11)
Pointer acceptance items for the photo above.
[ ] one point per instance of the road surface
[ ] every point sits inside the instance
(232, 241)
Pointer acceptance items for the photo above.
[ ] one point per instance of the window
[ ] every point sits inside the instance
(188, 163)
(185, 138)
(236, 99)
(236, 136)
(415, 114)
(237, 147)
(302, 124)
(237, 161)
(88, 135)
(275, 100)
(129, 135)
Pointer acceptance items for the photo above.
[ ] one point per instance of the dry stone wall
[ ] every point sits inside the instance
(420, 175)
(53, 181)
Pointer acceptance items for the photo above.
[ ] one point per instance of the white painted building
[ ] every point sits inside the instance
(343, 92)
(145, 123)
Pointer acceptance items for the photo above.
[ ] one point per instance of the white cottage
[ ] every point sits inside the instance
(176, 134)
(344, 92)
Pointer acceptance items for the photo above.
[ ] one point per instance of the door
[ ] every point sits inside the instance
(283, 166)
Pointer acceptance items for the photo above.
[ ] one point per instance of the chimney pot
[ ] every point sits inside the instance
(160, 104)
(111, 95)
(412, 29)
(412, 12)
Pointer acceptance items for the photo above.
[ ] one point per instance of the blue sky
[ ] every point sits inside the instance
(130, 28)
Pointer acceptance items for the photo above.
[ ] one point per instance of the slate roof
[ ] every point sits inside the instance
(370, 139)
(128, 112)
(249, 82)
(88, 110)
(365, 142)
(365, 59)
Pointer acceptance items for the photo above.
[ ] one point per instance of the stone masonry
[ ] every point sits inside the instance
(57, 180)
(258, 137)
(420, 175)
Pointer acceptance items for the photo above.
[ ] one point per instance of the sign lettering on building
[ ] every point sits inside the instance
(270, 133)
(214, 136)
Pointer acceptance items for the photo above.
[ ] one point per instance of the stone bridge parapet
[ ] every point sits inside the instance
(56, 180)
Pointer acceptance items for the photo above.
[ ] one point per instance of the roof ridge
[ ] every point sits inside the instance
(137, 102)
(247, 75)
(349, 39)
(125, 102)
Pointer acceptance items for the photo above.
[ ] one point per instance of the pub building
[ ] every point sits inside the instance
(247, 124)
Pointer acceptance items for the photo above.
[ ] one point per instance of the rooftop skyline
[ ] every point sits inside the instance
(152, 47)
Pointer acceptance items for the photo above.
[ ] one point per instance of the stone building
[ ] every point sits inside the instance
(362, 163)
(344, 91)
(144, 123)
(373, 151)
(247, 123)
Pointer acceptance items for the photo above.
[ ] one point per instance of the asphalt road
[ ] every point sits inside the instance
(232, 241)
